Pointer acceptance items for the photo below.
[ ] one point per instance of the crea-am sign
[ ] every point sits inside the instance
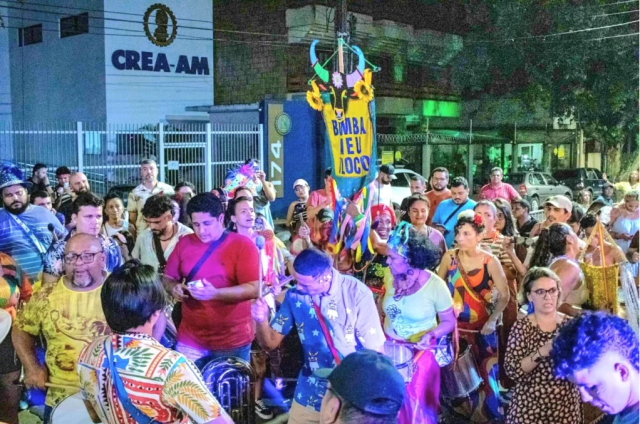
(145, 61)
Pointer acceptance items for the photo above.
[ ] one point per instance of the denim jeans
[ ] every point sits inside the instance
(202, 357)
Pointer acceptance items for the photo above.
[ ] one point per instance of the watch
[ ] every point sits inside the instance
(539, 359)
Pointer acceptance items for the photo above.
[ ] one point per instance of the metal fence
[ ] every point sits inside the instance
(109, 154)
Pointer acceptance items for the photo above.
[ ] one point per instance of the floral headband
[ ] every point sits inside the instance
(399, 238)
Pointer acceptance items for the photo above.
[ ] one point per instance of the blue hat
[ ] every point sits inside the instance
(10, 175)
(369, 380)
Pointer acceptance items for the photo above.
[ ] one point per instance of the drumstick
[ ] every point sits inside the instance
(61, 386)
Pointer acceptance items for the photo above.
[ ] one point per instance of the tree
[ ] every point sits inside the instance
(575, 58)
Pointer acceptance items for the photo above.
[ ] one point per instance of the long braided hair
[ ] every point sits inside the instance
(551, 242)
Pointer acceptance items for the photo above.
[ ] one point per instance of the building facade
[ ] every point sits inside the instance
(111, 61)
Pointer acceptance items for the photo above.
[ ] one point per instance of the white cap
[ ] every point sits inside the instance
(301, 182)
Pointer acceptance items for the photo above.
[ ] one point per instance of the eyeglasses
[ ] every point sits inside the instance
(542, 292)
(86, 258)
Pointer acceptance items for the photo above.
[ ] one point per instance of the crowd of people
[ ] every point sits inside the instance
(126, 306)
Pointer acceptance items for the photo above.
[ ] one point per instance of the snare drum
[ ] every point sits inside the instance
(402, 357)
(461, 377)
(71, 411)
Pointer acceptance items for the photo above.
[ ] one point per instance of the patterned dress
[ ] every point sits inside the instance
(473, 299)
(373, 270)
(160, 382)
(538, 397)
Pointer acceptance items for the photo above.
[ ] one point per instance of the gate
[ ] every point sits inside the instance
(109, 154)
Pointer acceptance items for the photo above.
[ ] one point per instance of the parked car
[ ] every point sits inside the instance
(579, 179)
(536, 187)
(400, 186)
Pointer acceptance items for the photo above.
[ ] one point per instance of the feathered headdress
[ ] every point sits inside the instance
(240, 176)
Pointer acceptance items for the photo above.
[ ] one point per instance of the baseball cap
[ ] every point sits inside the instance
(369, 380)
(325, 215)
(607, 185)
(389, 170)
(301, 182)
(560, 201)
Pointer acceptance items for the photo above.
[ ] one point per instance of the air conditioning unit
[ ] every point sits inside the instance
(567, 123)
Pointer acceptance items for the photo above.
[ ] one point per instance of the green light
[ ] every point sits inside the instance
(440, 108)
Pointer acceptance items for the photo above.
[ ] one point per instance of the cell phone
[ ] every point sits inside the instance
(197, 284)
(66, 184)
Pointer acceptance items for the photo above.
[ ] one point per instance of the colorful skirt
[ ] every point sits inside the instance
(421, 399)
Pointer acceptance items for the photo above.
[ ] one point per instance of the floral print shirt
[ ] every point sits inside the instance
(160, 382)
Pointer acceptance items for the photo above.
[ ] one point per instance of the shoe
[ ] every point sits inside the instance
(263, 411)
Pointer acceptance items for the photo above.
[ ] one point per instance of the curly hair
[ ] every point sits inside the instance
(551, 242)
(421, 252)
(156, 206)
(585, 339)
(468, 217)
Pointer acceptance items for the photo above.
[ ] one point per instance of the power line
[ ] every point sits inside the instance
(141, 23)
(95, 10)
(556, 34)
(223, 40)
(615, 13)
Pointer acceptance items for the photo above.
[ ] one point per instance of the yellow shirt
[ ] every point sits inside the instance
(68, 320)
(622, 187)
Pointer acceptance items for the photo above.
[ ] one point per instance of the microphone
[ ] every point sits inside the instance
(51, 228)
(260, 245)
(260, 240)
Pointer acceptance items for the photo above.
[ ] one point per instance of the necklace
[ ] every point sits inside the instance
(408, 291)
(173, 233)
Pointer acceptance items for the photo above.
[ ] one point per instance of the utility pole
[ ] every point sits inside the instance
(341, 31)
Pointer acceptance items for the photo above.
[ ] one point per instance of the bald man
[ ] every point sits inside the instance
(78, 183)
(68, 313)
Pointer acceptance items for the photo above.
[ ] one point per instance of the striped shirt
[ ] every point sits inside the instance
(17, 244)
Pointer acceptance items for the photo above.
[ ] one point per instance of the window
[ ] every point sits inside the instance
(74, 25)
(400, 181)
(30, 35)
(550, 179)
(536, 179)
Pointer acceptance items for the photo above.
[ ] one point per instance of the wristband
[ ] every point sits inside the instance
(359, 217)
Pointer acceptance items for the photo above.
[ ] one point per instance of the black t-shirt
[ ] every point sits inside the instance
(526, 228)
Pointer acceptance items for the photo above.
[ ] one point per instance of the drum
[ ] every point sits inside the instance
(402, 357)
(71, 411)
(461, 377)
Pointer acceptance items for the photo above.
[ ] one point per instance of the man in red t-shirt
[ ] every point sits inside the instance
(497, 189)
(216, 318)
(440, 192)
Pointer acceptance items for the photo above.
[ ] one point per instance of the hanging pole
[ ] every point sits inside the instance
(341, 31)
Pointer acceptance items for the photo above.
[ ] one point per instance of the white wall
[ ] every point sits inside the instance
(59, 79)
(144, 96)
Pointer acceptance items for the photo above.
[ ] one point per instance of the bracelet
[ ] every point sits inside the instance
(539, 358)
(359, 217)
